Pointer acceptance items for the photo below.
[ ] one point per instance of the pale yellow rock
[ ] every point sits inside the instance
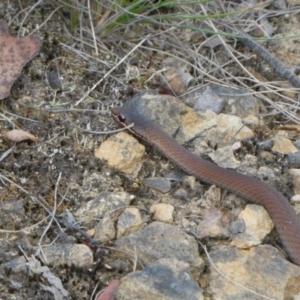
(253, 120)
(257, 225)
(295, 173)
(257, 220)
(295, 199)
(91, 232)
(262, 269)
(122, 152)
(224, 157)
(283, 145)
(222, 130)
(163, 212)
(105, 231)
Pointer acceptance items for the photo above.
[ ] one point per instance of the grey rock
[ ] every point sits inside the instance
(294, 160)
(70, 254)
(160, 240)
(237, 226)
(238, 101)
(158, 184)
(166, 279)
(209, 100)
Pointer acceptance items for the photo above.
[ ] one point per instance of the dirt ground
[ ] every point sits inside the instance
(43, 101)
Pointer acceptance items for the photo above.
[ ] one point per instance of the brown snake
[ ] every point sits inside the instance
(280, 210)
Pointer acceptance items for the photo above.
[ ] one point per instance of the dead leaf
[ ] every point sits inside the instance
(214, 224)
(177, 75)
(18, 135)
(15, 53)
(110, 291)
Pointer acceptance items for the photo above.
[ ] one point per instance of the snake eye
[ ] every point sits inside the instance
(122, 118)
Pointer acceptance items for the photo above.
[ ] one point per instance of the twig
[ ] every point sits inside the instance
(111, 70)
(52, 218)
(99, 132)
(34, 199)
(92, 27)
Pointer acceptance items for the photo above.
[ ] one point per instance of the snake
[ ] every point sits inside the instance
(285, 219)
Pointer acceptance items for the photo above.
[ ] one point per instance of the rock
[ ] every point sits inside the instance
(252, 120)
(295, 199)
(297, 209)
(105, 230)
(164, 110)
(266, 156)
(266, 145)
(209, 100)
(237, 226)
(70, 254)
(187, 224)
(283, 145)
(175, 117)
(220, 131)
(158, 184)
(122, 152)
(225, 158)
(201, 148)
(54, 284)
(294, 159)
(166, 279)
(108, 206)
(238, 101)
(260, 269)
(160, 240)
(175, 175)
(181, 194)
(162, 212)
(257, 225)
(236, 146)
(214, 224)
(297, 141)
(16, 266)
(295, 173)
(129, 221)
(104, 203)
(14, 285)
(211, 197)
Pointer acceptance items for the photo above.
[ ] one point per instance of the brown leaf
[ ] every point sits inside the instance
(18, 135)
(15, 53)
(110, 291)
(177, 75)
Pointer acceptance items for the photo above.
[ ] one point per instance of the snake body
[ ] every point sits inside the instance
(280, 210)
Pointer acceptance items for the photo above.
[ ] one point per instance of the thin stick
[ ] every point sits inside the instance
(92, 27)
(111, 70)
